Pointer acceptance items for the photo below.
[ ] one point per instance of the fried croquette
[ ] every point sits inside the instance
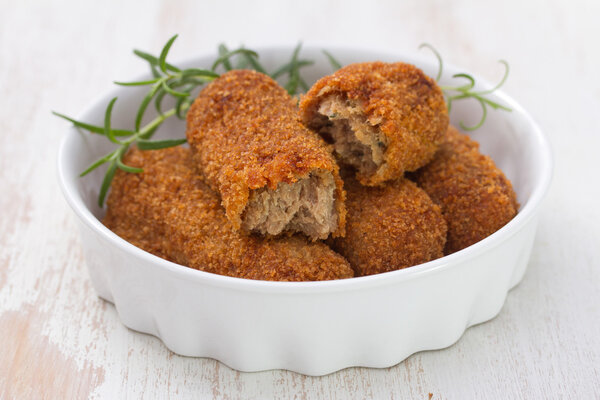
(390, 227)
(273, 174)
(475, 196)
(167, 210)
(382, 118)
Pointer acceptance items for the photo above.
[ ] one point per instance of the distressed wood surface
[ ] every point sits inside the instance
(58, 340)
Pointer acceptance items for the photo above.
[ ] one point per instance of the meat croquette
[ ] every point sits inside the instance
(475, 196)
(167, 210)
(273, 174)
(382, 118)
(390, 227)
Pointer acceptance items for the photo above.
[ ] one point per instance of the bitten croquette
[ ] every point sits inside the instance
(273, 174)
(167, 211)
(382, 118)
(390, 227)
(475, 196)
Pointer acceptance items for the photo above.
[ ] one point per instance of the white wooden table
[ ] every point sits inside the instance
(58, 340)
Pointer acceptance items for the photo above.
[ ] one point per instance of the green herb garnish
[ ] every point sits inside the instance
(335, 64)
(465, 91)
(168, 80)
(178, 84)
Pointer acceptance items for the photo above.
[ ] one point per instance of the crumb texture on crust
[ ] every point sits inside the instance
(392, 108)
(246, 135)
(168, 211)
(390, 227)
(475, 196)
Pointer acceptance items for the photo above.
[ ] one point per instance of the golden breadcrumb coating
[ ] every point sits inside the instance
(245, 133)
(475, 196)
(390, 227)
(403, 109)
(168, 211)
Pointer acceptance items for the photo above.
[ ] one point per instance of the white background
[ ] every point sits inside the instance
(58, 340)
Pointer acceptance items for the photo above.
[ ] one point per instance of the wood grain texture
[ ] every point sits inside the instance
(58, 340)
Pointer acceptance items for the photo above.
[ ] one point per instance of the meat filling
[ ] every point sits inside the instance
(356, 141)
(307, 206)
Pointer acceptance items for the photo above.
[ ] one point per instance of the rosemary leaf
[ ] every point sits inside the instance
(335, 64)
(252, 59)
(439, 58)
(150, 132)
(172, 92)
(162, 59)
(180, 107)
(139, 83)
(128, 168)
(145, 56)
(223, 51)
(287, 67)
(93, 128)
(153, 61)
(107, 116)
(199, 73)
(144, 104)
(496, 106)
(228, 55)
(158, 101)
(506, 71)
(144, 144)
(242, 63)
(191, 80)
(469, 85)
(110, 174)
(154, 71)
(98, 163)
(481, 121)
(294, 74)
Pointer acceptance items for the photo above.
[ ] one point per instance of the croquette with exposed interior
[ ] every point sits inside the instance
(382, 118)
(166, 210)
(273, 174)
(475, 196)
(390, 227)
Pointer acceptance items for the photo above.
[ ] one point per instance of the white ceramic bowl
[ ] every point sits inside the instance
(312, 327)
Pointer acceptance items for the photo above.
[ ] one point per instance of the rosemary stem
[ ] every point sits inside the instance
(153, 124)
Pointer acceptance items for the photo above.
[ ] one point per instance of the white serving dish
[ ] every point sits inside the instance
(313, 328)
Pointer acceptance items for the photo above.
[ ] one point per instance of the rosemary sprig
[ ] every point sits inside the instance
(465, 91)
(115, 158)
(248, 59)
(178, 84)
(168, 80)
